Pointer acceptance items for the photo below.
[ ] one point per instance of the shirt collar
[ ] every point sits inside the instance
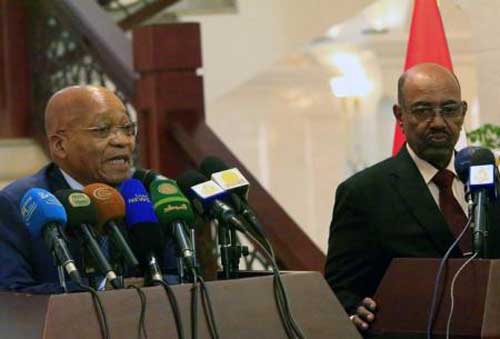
(426, 169)
(73, 184)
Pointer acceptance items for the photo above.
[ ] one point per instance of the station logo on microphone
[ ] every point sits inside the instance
(102, 193)
(78, 199)
(167, 188)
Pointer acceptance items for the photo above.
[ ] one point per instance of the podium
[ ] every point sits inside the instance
(404, 299)
(243, 308)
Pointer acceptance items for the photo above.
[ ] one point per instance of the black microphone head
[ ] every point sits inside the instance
(483, 156)
(472, 156)
(189, 179)
(79, 208)
(230, 179)
(212, 164)
(147, 176)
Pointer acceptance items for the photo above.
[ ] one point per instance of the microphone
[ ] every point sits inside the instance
(463, 161)
(208, 198)
(147, 176)
(474, 156)
(45, 217)
(110, 208)
(174, 210)
(477, 169)
(228, 178)
(81, 216)
(231, 180)
(145, 231)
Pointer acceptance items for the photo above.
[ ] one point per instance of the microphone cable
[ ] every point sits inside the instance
(290, 325)
(101, 314)
(206, 303)
(208, 309)
(141, 328)
(174, 305)
(437, 282)
(194, 307)
(280, 293)
(452, 293)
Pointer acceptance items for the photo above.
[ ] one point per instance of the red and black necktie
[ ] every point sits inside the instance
(452, 212)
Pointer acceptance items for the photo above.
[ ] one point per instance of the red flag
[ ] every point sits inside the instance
(426, 43)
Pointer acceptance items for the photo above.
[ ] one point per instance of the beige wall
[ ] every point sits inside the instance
(18, 158)
(238, 46)
(484, 21)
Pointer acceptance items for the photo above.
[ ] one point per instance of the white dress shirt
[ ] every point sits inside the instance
(428, 172)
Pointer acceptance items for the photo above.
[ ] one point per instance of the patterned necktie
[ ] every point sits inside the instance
(452, 212)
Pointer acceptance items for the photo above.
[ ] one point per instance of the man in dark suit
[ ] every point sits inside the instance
(410, 205)
(91, 139)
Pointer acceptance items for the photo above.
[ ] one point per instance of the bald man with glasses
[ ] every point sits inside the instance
(91, 140)
(410, 205)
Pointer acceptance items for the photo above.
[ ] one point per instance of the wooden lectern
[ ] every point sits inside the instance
(243, 308)
(405, 294)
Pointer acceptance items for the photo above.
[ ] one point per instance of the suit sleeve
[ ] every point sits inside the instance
(353, 256)
(16, 272)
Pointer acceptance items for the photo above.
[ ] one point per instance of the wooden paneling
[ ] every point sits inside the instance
(15, 92)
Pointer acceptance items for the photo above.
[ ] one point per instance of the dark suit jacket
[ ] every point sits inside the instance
(25, 263)
(383, 212)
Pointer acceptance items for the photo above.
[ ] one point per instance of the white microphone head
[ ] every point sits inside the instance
(232, 180)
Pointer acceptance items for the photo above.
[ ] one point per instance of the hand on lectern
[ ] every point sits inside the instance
(365, 314)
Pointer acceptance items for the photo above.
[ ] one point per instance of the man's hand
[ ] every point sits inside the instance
(365, 314)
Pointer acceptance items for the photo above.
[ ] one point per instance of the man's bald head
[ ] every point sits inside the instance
(90, 134)
(430, 112)
(424, 69)
(69, 106)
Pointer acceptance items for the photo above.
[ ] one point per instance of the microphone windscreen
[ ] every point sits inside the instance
(138, 206)
(229, 179)
(169, 202)
(78, 206)
(483, 156)
(202, 191)
(146, 234)
(189, 179)
(108, 202)
(147, 176)
(40, 207)
(471, 156)
(211, 165)
(140, 174)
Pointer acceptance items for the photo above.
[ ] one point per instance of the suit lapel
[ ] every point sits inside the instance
(410, 185)
(55, 179)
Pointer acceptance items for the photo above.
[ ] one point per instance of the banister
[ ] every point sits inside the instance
(104, 39)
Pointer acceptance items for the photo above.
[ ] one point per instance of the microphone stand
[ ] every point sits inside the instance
(62, 277)
(193, 244)
(180, 269)
(480, 233)
(235, 256)
(225, 252)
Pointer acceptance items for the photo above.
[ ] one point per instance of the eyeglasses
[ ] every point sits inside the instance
(450, 110)
(104, 131)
